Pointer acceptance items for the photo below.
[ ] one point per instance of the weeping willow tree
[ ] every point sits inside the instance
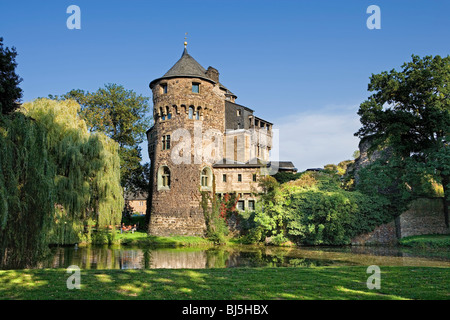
(26, 191)
(87, 177)
(55, 176)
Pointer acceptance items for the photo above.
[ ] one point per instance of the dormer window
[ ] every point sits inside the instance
(195, 87)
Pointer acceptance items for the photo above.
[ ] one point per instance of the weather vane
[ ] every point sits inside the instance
(185, 38)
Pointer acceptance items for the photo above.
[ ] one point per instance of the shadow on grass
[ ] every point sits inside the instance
(337, 283)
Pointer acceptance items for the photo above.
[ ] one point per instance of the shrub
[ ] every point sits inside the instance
(315, 210)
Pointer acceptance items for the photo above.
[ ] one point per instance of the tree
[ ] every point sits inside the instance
(409, 111)
(87, 166)
(10, 93)
(26, 191)
(123, 116)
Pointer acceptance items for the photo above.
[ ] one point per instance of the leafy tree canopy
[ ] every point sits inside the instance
(123, 116)
(10, 93)
(409, 111)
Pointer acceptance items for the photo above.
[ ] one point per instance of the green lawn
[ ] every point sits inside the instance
(229, 284)
(427, 241)
(142, 239)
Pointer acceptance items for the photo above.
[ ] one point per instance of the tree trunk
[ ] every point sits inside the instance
(445, 184)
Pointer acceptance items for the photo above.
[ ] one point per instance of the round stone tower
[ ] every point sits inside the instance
(188, 105)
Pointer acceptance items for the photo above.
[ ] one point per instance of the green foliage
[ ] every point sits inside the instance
(216, 226)
(87, 169)
(334, 217)
(409, 111)
(10, 92)
(121, 115)
(314, 210)
(65, 230)
(283, 176)
(386, 179)
(26, 191)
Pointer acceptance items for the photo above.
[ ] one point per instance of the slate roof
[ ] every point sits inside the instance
(285, 165)
(187, 67)
(228, 163)
(135, 196)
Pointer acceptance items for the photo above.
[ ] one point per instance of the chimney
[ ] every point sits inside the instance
(213, 74)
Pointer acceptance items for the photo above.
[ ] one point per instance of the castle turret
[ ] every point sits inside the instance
(201, 142)
(188, 101)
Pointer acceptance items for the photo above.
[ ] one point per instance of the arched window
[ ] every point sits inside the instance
(191, 112)
(197, 113)
(169, 114)
(206, 178)
(161, 113)
(164, 178)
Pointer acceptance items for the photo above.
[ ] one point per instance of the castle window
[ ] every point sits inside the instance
(195, 87)
(166, 142)
(169, 114)
(251, 205)
(197, 115)
(254, 177)
(163, 178)
(191, 112)
(238, 112)
(224, 178)
(164, 88)
(206, 178)
(239, 177)
(241, 205)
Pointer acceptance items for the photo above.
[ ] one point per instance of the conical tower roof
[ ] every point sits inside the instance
(185, 67)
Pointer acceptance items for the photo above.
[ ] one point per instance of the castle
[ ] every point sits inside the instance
(202, 141)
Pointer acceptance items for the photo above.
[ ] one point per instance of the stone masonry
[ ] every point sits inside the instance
(189, 150)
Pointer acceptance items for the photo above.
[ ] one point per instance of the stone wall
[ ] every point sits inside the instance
(138, 206)
(384, 234)
(176, 210)
(246, 185)
(424, 216)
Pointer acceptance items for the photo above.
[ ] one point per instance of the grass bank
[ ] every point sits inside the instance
(142, 239)
(432, 241)
(228, 284)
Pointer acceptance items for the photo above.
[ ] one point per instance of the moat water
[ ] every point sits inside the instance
(124, 257)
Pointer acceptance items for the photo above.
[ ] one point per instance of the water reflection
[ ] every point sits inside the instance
(94, 257)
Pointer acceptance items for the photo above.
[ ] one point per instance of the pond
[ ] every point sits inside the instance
(124, 257)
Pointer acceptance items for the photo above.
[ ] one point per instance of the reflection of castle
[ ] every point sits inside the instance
(201, 141)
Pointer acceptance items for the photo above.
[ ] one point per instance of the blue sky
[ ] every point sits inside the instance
(303, 65)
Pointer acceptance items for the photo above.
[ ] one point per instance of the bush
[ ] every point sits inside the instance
(278, 240)
(315, 210)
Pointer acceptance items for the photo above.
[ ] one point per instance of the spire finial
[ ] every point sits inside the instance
(185, 38)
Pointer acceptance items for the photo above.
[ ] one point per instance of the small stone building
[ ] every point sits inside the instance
(202, 141)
